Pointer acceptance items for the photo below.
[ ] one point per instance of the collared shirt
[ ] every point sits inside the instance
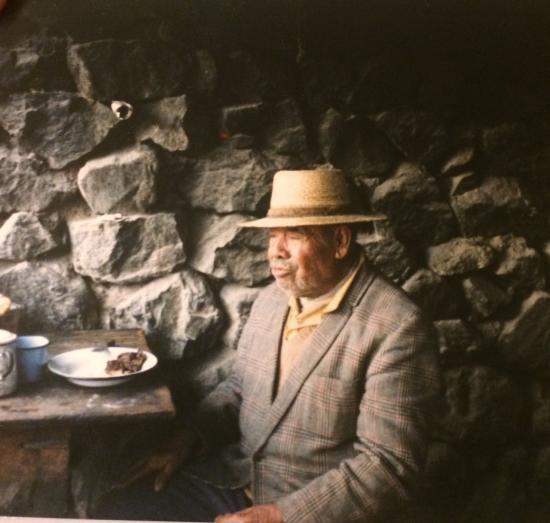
(304, 316)
(306, 312)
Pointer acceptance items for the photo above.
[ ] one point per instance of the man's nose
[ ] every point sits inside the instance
(277, 247)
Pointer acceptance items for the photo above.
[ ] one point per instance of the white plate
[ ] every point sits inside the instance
(86, 367)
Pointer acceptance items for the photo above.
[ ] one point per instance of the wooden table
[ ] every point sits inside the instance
(37, 421)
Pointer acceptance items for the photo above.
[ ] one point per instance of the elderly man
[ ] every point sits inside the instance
(325, 416)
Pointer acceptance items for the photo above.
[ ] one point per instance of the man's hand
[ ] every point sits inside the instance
(256, 514)
(164, 462)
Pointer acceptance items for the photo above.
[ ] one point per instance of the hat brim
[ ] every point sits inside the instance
(300, 221)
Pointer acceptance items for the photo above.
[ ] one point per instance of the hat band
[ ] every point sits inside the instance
(298, 212)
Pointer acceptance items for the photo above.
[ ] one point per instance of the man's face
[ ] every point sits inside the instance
(305, 261)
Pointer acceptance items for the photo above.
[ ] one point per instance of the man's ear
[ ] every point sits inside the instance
(343, 241)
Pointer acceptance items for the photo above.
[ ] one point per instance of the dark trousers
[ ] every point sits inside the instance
(183, 499)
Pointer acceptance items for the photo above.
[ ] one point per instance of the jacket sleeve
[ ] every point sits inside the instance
(401, 386)
(216, 416)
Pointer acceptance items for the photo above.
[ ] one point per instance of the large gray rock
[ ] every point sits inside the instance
(121, 182)
(27, 184)
(178, 314)
(433, 294)
(53, 296)
(330, 132)
(546, 256)
(519, 268)
(413, 204)
(58, 126)
(498, 206)
(500, 493)
(229, 180)
(242, 119)
(361, 149)
(484, 296)
(119, 249)
(459, 162)
(418, 135)
(36, 65)
(524, 340)
(206, 73)
(482, 405)
(127, 69)
(541, 479)
(224, 250)
(457, 340)
(286, 132)
(388, 255)
(23, 237)
(162, 123)
(461, 183)
(237, 302)
(540, 397)
(460, 256)
(489, 330)
(446, 471)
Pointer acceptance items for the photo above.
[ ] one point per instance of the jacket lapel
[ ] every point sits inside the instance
(266, 384)
(320, 342)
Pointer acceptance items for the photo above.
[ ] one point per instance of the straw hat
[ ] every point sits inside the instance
(318, 197)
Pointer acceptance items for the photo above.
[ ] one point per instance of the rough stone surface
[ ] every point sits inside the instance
(178, 314)
(27, 184)
(484, 296)
(362, 150)
(242, 119)
(224, 250)
(489, 330)
(481, 405)
(53, 296)
(330, 132)
(461, 183)
(413, 204)
(457, 339)
(59, 127)
(127, 70)
(30, 66)
(460, 256)
(162, 123)
(23, 237)
(121, 182)
(229, 180)
(498, 206)
(546, 256)
(519, 268)
(541, 477)
(459, 162)
(437, 297)
(237, 302)
(500, 493)
(525, 339)
(540, 396)
(388, 255)
(126, 249)
(418, 135)
(206, 76)
(286, 132)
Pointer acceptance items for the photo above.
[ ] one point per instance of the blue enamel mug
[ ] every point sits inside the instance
(32, 356)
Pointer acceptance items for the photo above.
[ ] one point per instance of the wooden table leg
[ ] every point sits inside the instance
(34, 471)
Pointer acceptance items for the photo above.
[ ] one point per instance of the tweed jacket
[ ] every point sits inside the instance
(344, 439)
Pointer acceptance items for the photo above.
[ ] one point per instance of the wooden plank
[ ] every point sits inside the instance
(54, 399)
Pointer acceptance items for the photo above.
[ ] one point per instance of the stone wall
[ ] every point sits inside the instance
(132, 146)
